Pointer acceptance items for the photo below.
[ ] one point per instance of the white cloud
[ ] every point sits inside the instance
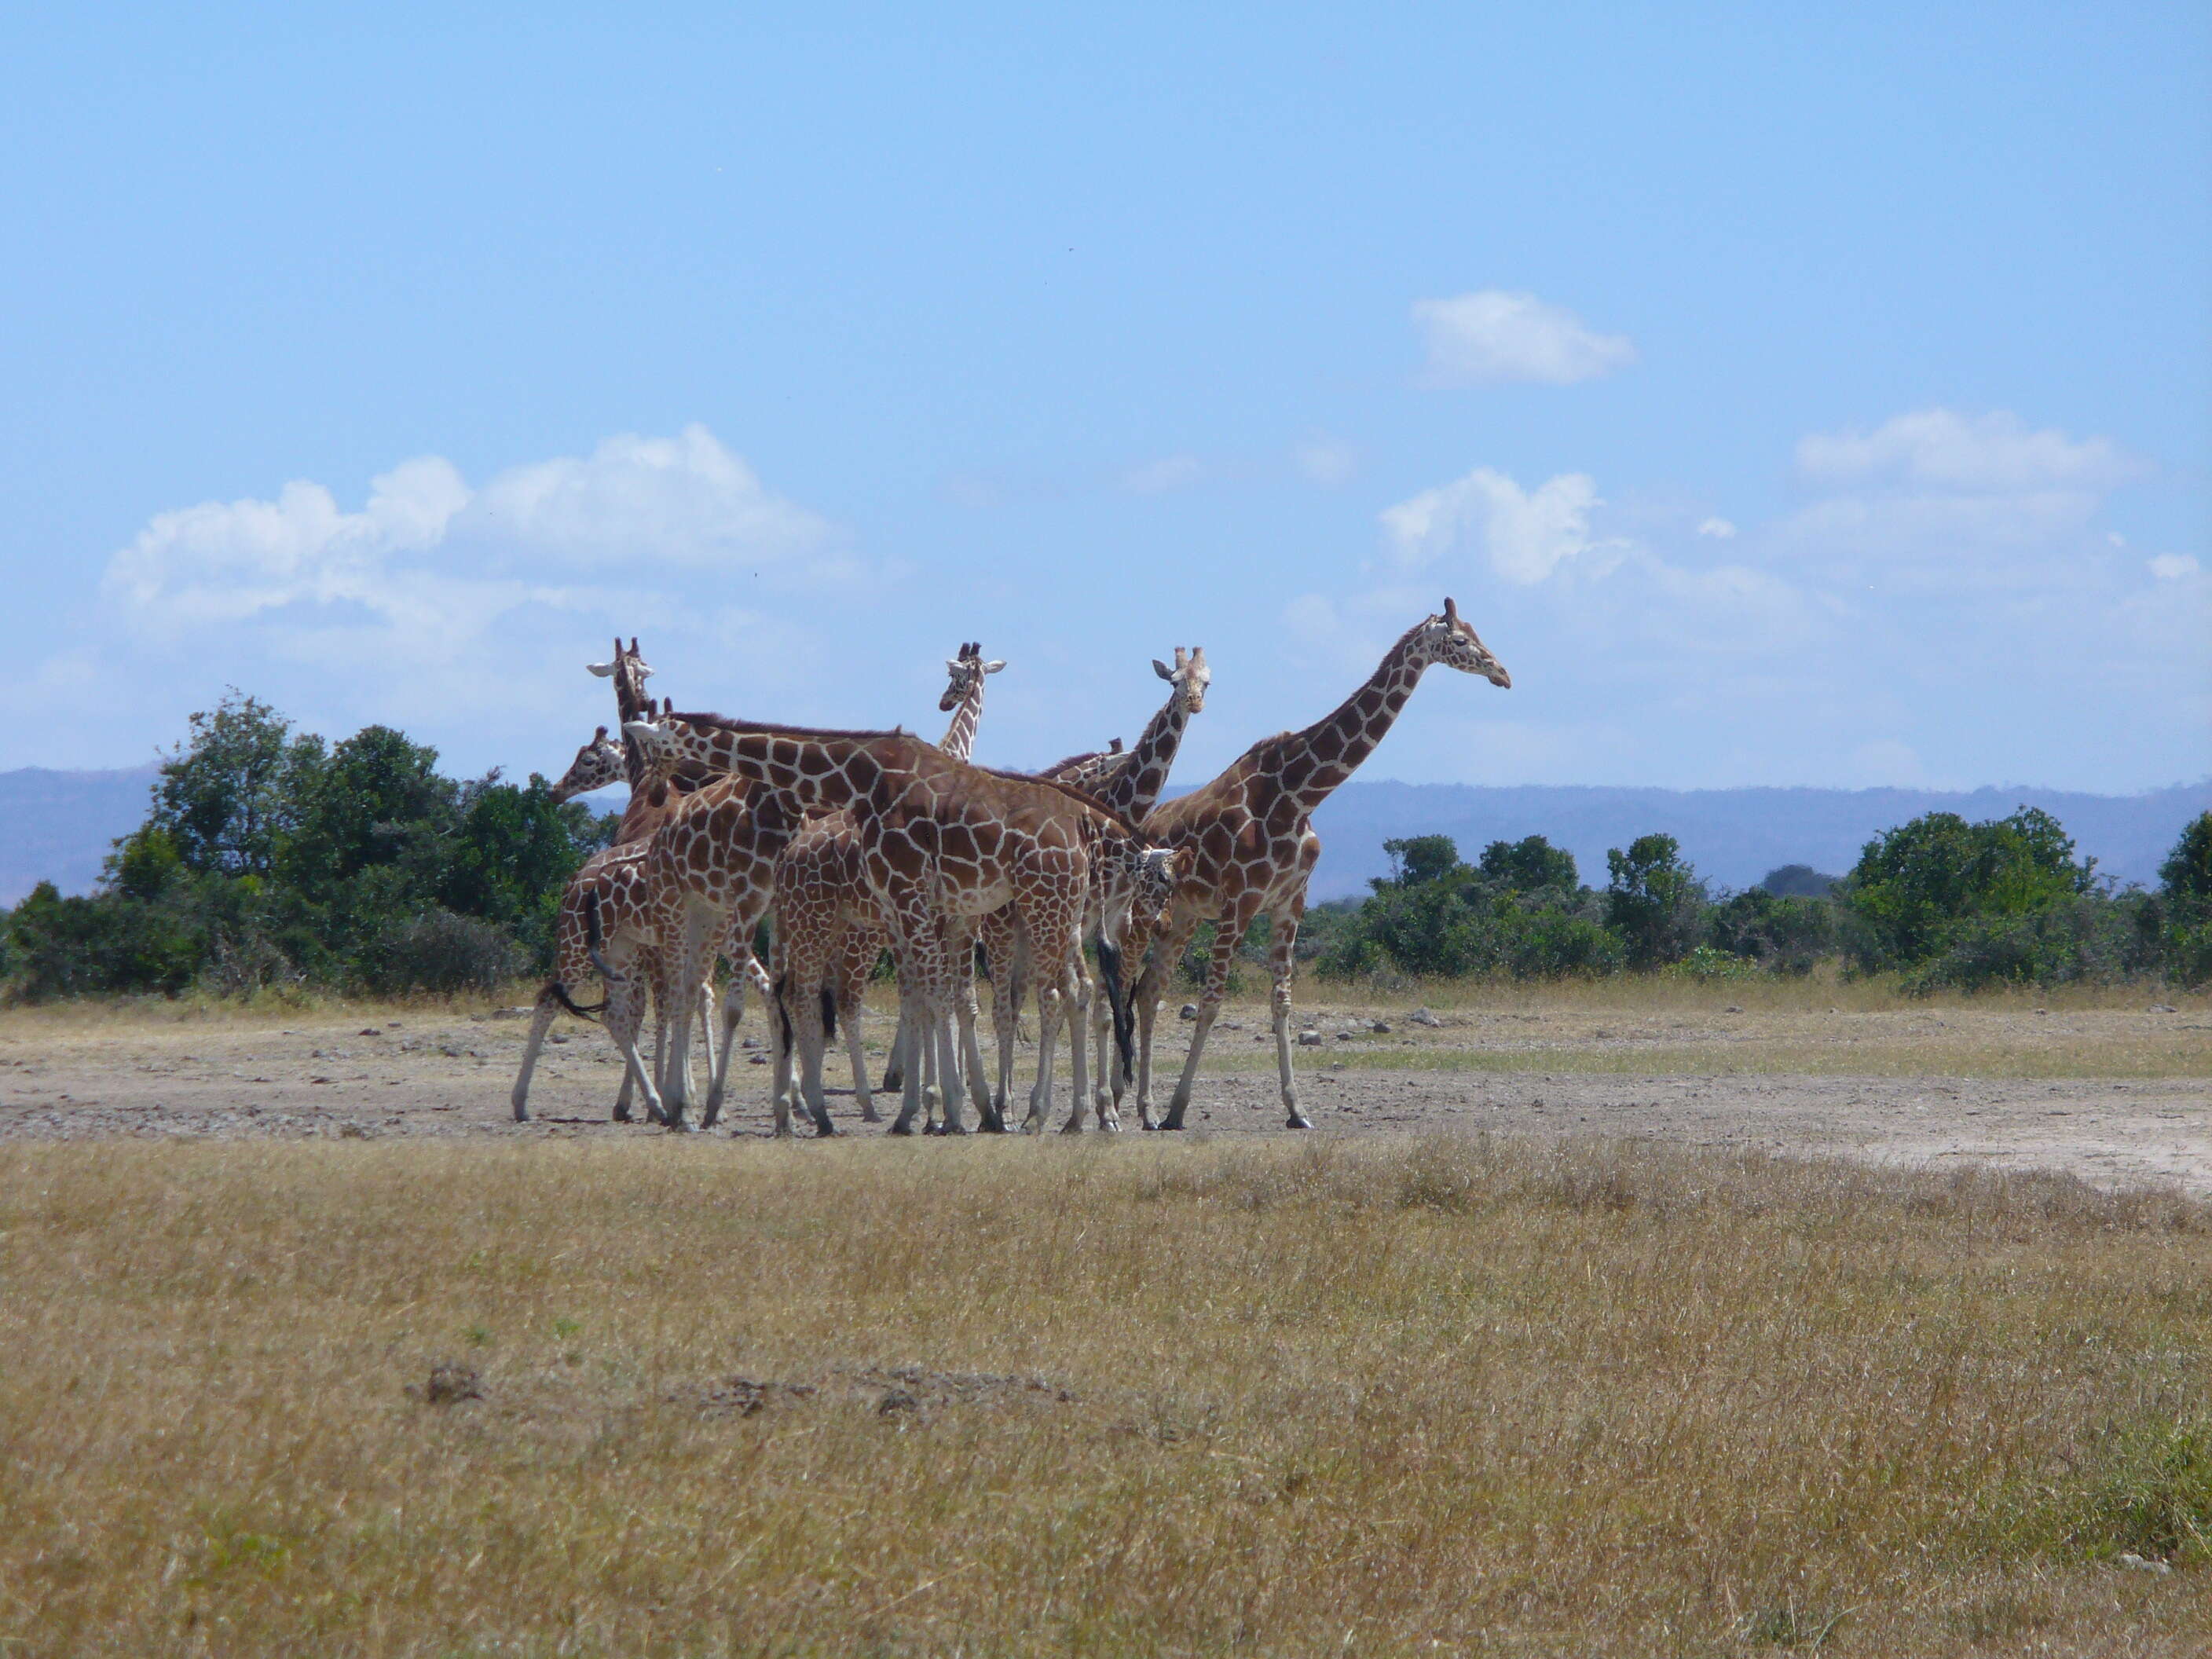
(1326, 461)
(462, 609)
(2173, 567)
(1158, 478)
(1525, 535)
(1942, 450)
(1719, 529)
(425, 552)
(1493, 336)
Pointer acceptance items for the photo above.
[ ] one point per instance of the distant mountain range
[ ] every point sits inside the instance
(57, 826)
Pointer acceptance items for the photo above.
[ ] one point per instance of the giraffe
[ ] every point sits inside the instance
(606, 921)
(941, 841)
(1252, 845)
(1130, 784)
(655, 797)
(609, 896)
(711, 869)
(599, 764)
(827, 934)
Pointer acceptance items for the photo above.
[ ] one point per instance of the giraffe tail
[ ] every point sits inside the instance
(828, 1013)
(1109, 976)
(782, 1012)
(559, 992)
(595, 942)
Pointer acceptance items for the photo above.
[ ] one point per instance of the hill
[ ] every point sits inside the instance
(58, 825)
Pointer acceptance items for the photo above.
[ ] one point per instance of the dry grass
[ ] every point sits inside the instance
(1103, 1397)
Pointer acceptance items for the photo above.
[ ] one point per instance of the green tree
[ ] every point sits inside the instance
(2184, 903)
(1654, 900)
(227, 798)
(1419, 858)
(1798, 881)
(1529, 865)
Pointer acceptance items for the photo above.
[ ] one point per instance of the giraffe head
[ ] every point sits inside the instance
(1190, 677)
(629, 671)
(967, 670)
(1449, 639)
(1160, 871)
(597, 763)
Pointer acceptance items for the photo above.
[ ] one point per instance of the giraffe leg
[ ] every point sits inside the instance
(1002, 943)
(943, 1029)
(1283, 958)
(910, 1076)
(625, 1021)
(1228, 933)
(626, 1003)
(781, 1048)
(1076, 989)
(852, 1005)
(893, 1076)
(1149, 986)
(805, 1017)
(987, 1118)
(697, 936)
(540, 1023)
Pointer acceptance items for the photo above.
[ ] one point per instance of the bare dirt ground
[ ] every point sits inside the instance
(2113, 1087)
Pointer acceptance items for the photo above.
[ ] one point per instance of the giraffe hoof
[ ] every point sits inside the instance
(901, 1129)
(1297, 1120)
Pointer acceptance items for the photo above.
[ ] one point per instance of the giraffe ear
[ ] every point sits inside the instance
(602, 669)
(994, 665)
(1162, 669)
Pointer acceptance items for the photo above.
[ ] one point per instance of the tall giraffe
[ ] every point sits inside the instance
(1130, 784)
(1252, 845)
(941, 841)
(827, 934)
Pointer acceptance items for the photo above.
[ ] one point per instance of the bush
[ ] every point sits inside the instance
(1915, 889)
(1783, 935)
(441, 951)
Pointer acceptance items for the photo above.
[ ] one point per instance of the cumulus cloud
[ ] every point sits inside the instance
(1524, 534)
(459, 607)
(2173, 567)
(427, 551)
(1719, 529)
(1941, 449)
(1493, 336)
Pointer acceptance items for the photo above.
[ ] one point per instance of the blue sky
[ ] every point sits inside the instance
(1788, 397)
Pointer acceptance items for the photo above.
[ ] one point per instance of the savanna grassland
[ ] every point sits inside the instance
(1409, 1394)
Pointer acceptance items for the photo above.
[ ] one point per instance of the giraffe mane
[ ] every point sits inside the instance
(724, 723)
(1083, 758)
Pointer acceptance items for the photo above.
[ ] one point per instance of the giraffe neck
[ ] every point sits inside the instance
(960, 736)
(832, 774)
(1134, 788)
(1315, 761)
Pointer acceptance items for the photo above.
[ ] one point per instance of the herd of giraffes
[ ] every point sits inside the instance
(852, 842)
